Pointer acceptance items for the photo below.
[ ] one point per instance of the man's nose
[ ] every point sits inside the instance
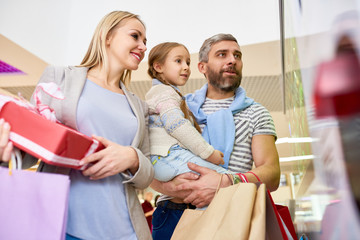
(231, 60)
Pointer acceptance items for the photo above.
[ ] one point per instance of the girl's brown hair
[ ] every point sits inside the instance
(158, 54)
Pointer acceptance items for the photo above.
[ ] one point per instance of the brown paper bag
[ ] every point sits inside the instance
(236, 212)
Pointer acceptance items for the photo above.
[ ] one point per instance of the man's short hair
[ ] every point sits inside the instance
(206, 47)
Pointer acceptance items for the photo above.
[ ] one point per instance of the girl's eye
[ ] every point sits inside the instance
(178, 61)
(188, 63)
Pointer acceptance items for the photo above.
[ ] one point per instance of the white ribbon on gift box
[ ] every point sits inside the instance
(44, 110)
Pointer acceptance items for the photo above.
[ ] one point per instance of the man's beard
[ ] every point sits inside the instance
(217, 80)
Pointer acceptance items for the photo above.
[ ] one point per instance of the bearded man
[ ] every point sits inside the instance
(233, 124)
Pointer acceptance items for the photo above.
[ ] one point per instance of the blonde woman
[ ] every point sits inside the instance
(103, 203)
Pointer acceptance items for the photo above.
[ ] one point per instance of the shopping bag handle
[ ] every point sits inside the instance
(245, 179)
(15, 161)
(218, 186)
(255, 176)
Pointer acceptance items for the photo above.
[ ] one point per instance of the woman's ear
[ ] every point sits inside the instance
(108, 38)
(158, 67)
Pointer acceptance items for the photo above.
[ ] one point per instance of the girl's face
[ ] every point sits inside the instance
(126, 45)
(176, 68)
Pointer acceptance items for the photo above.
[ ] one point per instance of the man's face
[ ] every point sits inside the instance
(224, 68)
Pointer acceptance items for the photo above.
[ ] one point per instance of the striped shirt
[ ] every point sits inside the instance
(254, 120)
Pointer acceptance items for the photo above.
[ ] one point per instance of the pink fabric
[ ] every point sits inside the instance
(50, 88)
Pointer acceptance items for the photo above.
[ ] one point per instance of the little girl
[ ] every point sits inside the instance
(175, 137)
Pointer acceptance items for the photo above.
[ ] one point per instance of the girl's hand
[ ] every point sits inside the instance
(112, 160)
(6, 146)
(216, 157)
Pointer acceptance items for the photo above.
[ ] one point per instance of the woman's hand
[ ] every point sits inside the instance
(6, 146)
(112, 160)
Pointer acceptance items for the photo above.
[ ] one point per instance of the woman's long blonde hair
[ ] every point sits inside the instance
(96, 53)
(158, 55)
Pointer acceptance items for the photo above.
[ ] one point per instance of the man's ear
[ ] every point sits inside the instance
(202, 67)
(158, 67)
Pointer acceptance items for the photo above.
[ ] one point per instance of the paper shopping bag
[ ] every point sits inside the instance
(286, 219)
(236, 212)
(33, 205)
(278, 221)
(279, 224)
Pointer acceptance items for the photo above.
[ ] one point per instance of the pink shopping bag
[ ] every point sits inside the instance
(33, 205)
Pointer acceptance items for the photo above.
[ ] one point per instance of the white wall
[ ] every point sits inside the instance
(39, 26)
(316, 16)
(59, 31)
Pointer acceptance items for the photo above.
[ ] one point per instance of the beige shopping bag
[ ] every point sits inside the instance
(236, 212)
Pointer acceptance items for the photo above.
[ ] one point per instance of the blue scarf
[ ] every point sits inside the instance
(219, 128)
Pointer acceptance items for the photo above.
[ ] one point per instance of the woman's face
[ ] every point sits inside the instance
(126, 45)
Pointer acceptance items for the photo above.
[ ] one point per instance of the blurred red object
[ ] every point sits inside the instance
(337, 87)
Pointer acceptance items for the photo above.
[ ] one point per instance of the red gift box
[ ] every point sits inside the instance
(53, 143)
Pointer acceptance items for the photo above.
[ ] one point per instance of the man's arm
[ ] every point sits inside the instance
(169, 188)
(266, 160)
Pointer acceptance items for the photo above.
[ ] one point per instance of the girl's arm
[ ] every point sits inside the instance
(164, 101)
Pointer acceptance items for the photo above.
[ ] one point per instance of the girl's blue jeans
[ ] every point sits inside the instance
(175, 163)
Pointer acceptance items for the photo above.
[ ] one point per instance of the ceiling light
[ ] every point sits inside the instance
(295, 140)
(296, 158)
